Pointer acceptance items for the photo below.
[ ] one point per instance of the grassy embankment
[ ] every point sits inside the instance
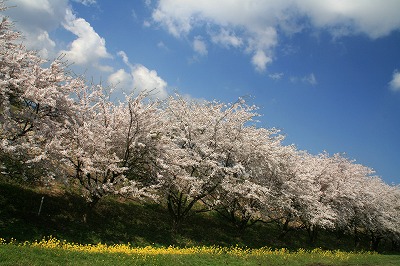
(55, 252)
(114, 222)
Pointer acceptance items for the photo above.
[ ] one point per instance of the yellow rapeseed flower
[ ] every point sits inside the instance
(53, 243)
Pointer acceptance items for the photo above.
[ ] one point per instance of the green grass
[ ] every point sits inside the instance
(26, 255)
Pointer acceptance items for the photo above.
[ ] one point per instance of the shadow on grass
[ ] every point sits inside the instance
(115, 221)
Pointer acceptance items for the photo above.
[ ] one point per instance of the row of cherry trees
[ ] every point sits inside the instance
(191, 155)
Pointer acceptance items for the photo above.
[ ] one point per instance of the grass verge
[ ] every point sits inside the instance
(54, 252)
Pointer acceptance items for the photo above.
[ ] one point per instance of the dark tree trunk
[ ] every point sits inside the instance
(312, 232)
(375, 240)
(395, 245)
(357, 238)
(89, 208)
(178, 208)
(285, 229)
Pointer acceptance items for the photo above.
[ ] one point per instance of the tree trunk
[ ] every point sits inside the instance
(285, 229)
(375, 240)
(312, 232)
(89, 208)
(356, 238)
(395, 245)
(175, 211)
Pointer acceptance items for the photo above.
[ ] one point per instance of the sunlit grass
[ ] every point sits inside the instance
(53, 243)
(213, 255)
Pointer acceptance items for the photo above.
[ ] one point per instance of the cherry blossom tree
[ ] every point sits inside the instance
(200, 136)
(301, 189)
(336, 193)
(108, 147)
(32, 99)
(376, 211)
(53, 120)
(250, 195)
(393, 210)
(342, 187)
(360, 200)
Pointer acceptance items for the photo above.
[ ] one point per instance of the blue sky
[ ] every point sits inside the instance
(327, 73)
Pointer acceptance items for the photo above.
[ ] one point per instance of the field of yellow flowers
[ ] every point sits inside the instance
(51, 251)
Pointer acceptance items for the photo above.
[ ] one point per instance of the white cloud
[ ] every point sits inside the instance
(133, 14)
(140, 78)
(374, 17)
(310, 79)
(162, 45)
(276, 76)
(145, 79)
(260, 60)
(146, 24)
(43, 14)
(40, 41)
(394, 84)
(264, 39)
(121, 80)
(147, 3)
(125, 58)
(261, 44)
(35, 19)
(226, 38)
(256, 22)
(89, 47)
(199, 46)
(175, 25)
(86, 2)
(257, 37)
